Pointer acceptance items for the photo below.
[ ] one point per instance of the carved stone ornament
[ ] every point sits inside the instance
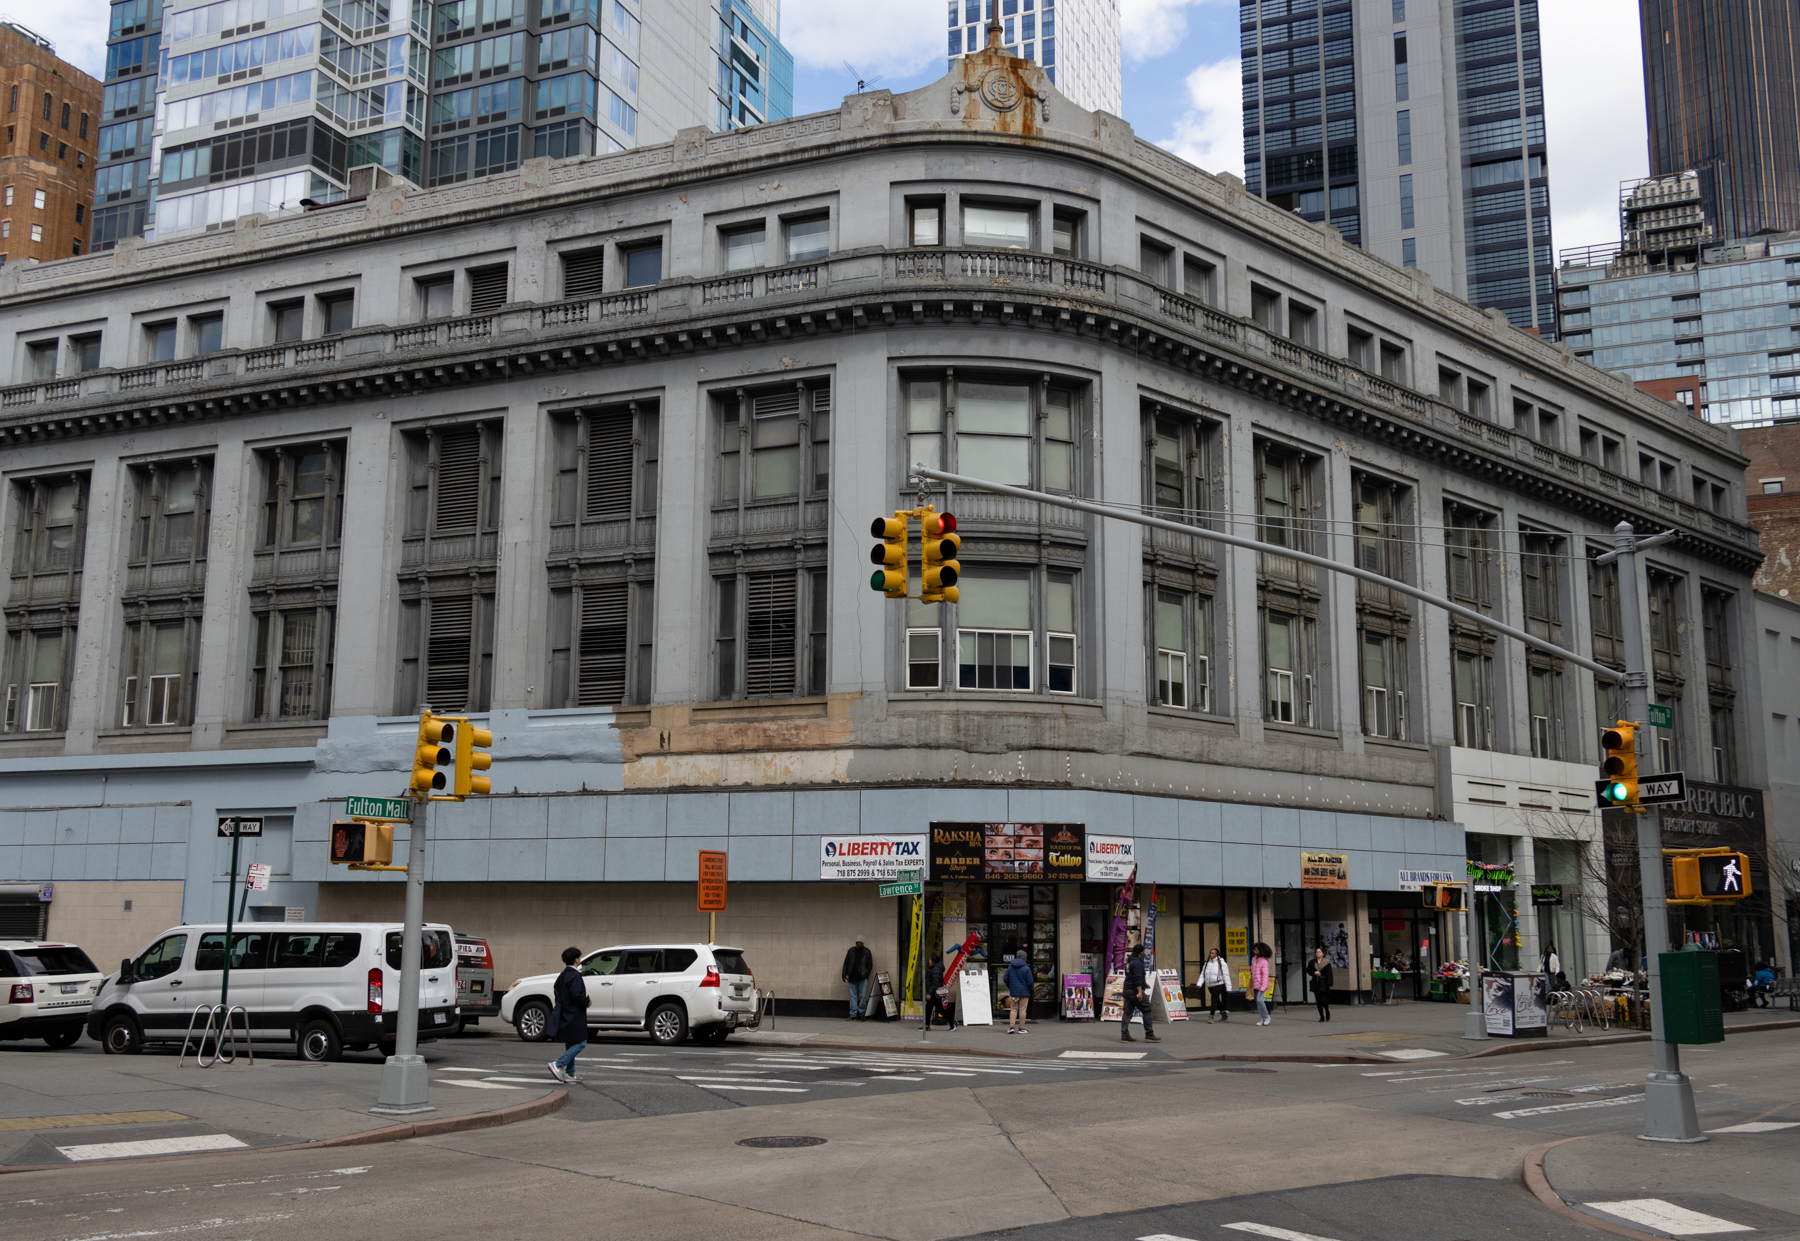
(999, 90)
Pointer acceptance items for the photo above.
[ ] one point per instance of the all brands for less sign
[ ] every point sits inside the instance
(871, 859)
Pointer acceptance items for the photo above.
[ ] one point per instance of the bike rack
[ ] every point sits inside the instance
(226, 1029)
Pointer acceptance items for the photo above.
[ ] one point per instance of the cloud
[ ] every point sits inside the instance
(1593, 115)
(1152, 28)
(78, 28)
(1210, 134)
(896, 39)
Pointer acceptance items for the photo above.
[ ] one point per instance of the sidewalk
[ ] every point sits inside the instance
(1403, 1030)
(1741, 1179)
(70, 1107)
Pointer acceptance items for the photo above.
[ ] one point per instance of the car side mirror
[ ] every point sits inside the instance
(126, 974)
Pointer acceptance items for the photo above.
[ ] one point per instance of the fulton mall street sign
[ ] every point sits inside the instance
(385, 809)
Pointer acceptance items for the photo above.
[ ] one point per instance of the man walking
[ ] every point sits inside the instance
(1137, 996)
(568, 1021)
(859, 963)
(935, 991)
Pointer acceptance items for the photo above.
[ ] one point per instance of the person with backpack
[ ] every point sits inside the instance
(1018, 993)
(1215, 976)
(568, 1020)
(1259, 980)
(859, 965)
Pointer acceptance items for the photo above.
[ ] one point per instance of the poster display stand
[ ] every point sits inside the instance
(1516, 1005)
(975, 999)
(1078, 997)
(1112, 1005)
(1171, 1002)
(884, 988)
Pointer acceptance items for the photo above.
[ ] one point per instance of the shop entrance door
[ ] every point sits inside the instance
(1198, 937)
(1289, 964)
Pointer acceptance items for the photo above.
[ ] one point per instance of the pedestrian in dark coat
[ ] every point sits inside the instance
(1319, 974)
(568, 1020)
(1137, 996)
(859, 963)
(934, 1001)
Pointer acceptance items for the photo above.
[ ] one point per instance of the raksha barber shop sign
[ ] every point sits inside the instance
(871, 858)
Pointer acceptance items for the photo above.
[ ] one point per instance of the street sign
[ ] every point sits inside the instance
(712, 881)
(257, 876)
(1670, 786)
(230, 826)
(387, 809)
(1661, 717)
(910, 884)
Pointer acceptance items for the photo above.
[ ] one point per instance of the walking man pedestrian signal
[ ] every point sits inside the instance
(1724, 876)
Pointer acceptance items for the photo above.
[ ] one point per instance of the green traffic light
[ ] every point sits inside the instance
(878, 580)
(1616, 792)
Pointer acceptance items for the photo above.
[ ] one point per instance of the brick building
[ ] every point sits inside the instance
(47, 153)
(1772, 483)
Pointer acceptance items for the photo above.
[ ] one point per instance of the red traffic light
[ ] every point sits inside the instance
(937, 524)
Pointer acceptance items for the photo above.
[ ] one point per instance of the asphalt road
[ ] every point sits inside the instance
(928, 1147)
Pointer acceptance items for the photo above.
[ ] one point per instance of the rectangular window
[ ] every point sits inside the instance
(925, 224)
(286, 320)
(643, 265)
(1406, 201)
(157, 662)
(1153, 261)
(744, 248)
(1198, 280)
(925, 423)
(1265, 308)
(1400, 67)
(1409, 252)
(1279, 642)
(924, 646)
(770, 634)
(338, 312)
(993, 438)
(1066, 240)
(808, 239)
(584, 272)
(487, 291)
(84, 352)
(1403, 129)
(1303, 323)
(1005, 228)
(291, 676)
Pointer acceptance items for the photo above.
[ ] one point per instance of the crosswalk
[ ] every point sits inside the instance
(1517, 1097)
(761, 1072)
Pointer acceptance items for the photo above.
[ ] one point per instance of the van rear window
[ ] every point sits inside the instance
(731, 962)
(34, 961)
(314, 950)
(435, 950)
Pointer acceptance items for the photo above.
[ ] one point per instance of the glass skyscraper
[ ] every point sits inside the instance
(215, 110)
(1351, 115)
(1722, 100)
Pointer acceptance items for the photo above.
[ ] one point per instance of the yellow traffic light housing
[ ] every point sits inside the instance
(1620, 788)
(361, 842)
(471, 743)
(939, 568)
(433, 761)
(1707, 876)
(889, 555)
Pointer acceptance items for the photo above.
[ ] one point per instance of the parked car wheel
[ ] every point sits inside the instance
(668, 1024)
(532, 1021)
(63, 1038)
(387, 1048)
(711, 1035)
(121, 1037)
(319, 1043)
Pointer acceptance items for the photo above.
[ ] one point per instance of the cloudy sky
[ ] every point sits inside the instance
(1181, 80)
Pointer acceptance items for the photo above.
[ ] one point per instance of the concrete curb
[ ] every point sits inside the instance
(388, 1133)
(1298, 1057)
(1541, 1189)
(1603, 1040)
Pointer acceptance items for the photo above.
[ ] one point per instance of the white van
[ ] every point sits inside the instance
(327, 987)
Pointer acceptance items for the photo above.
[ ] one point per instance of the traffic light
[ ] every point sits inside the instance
(889, 555)
(938, 565)
(437, 739)
(1723, 876)
(357, 841)
(1620, 788)
(471, 744)
(1444, 897)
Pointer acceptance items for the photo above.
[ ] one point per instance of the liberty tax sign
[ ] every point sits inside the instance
(871, 859)
(1110, 858)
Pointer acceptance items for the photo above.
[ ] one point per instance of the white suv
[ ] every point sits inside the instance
(671, 990)
(48, 991)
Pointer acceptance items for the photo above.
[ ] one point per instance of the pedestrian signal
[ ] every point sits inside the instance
(1723, 876)
(1444, 897)
(354, 842)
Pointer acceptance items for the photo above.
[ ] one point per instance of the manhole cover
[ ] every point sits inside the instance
(781, 1140)
(1246, 1070)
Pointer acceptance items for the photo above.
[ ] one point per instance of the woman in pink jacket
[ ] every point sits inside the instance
(1259, 980)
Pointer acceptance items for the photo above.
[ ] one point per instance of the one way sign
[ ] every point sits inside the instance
(1671, 786)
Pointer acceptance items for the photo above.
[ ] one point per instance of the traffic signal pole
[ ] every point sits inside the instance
(403, 1085)
(1669, 1114)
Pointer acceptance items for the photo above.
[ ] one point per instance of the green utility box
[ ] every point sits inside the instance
(1690, 994)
